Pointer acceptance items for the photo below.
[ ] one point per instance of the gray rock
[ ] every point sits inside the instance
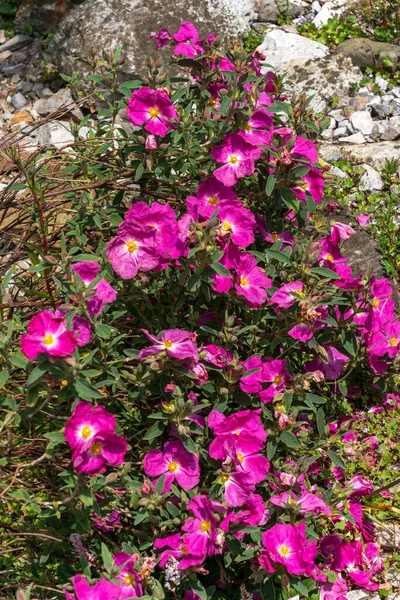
(362, 121)
(374, 155)
(41, 15)
(323, 77)
(337, 114)
(392, 131)
(378, 129)
(367, 53)
(382, 110)
(99, 26)
(396, 92)
(370, 180)
(283, 49)
(271, 10)
(396, 107)
(356, 595)
(18, 101)
(340, 132)
(4, 55)
(383, 83)
(336, 172)
(55, 134)
(16, 42)
(356, 138)
(62, 100)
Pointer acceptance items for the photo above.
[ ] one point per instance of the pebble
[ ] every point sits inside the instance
(370, 180)
(340, 132)
(382, 110)
(18, 101)
(17, 42)
(4, 55)
(356, 138)
(362, 121)
(356, 595)
(22, 116)
(383, 83)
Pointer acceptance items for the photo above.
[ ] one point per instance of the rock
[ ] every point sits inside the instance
(367, 53)
(41, 15)
(378, 129)
(18, 101)
(54, 134)
(395, 105)
(362, 121)
(283, 49)
(22, 116)
(356, 138)
(337, 115)
(374, 155)
(340, 132)
(336, 172)
(396, 92)
(315, 6)
(356, 595)
(4, 55)
(98, 26)
(271, 10)
(371, 180)
(392, 131)
(382, 110)
(383, 83)
(61, 100)
(324, 77)
(329, 10)
(360, 102)
(15, 43)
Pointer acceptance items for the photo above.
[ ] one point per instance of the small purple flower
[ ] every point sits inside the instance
(162, 37)
(177, 343)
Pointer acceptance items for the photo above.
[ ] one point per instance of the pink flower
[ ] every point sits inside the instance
(253, 513)
(90, 433)
(243, 450)
(133, 249)
(237, 487)
(361, 486)
(284, 297)
(301, 332)
(251, 384)
(87, 271)
(246, 422)
(153, 109)
(288, 546)
(256, 129)
(103, 291)
(176, 462)
(217, 356)
(161, 218)
(47, 333)
(386, 340)
(363, 220)
(188, 41)
(238, 157)
(130, 579)
(274, 372)
(102, 590)
(201, 538)
(339, 233)
(175, 547)
(237, 222)
(175, 342)
(151, 142)
(334, 366)
(162, 37)
(252, 282)
(313, 184)
(210, 194)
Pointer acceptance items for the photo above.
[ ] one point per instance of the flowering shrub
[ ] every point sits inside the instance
(203, 372)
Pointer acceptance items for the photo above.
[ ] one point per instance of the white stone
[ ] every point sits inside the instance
(55, 134)
(18, 101)
(362, 121)
(282, 48)
(383, 83)
(371, 180)
(336, 172)
(340, 132)
(315, 6)
(327, 12)
(356, 595)
(356, 138)
(378, 129)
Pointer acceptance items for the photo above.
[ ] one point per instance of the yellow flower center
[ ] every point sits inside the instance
(172, 467)
(96, 448)
(375, 302)
(299, 293)
(226, 226)
(205, 526)
(393, 341)
(305, 186)
(329, 257)
(212, 101)
(291, 500)
(275, 236)
(63, 382)
(240, 457)
(129, 580)
(225, 478)
(284, 550)
(169, 407)
(86, 432)
(48, 340)
(277, 379)
(154, 112)
(237, 432)
(213, 200)
(167, 344)
(244, 281)
(183, 549)
(247, 127)
(131, 246)
(234, 159)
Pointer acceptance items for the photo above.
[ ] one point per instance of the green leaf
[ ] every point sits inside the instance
(335, 459)
(198, 588)
(321, 422)
(325, 273)
(160, 484)
(106, 556)
(141, 516)
(139, 171)
(155, 431)
(289, 439)
(220, 269)
(270, 184)
(18, 360)
(233, 544)
(267, 589)
(55, 436)
(280, 256)
(4, 375)
(315, 399)
(104, 331)
(37, 373)
(85, 390)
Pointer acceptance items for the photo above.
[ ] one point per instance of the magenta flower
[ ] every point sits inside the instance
(161, 218)
(90, 432)
(363, 220)
(243, 450)
(87, 271)
(188, 41)
(313, 183)
(301, 332)
(47, 333)
(210, 194)
(253, 513)
(201, 538)
(256, 129)
(217, 356)
(308, 503)
(176, 547)
(275, 373)
(251, 384)
(386, 340)
(237, 222)
(339, 233)
(237, 487)
(177, 343)
(288, 546)
(284, 297)
(334, 366)
(162, 37)
(134, 249)
(246, 422)
(176, 462)
(238, 157)
(130, 579)
(153, 109)
(102, 590)
(103, 292)
(252, 282)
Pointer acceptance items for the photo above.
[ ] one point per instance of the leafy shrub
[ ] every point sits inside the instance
(178, 410)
